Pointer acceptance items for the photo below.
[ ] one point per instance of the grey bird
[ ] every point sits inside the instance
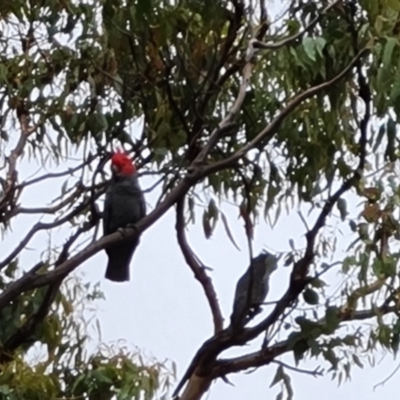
(124, 205)
(252, 289)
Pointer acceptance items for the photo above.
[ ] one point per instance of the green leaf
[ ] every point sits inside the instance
(318, 283)
(319, 45)
(391, 129)
(391, 43)
(381, 133)
(311, 297)
(331, 319)
(342, 207)
(299, 349)
(357, 361)
(394, 5)
(207, 225)
(309, 47)
(228, 230)
(278, 376)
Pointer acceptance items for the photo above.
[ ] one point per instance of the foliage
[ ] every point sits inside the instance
(58, 364)
(300, 111)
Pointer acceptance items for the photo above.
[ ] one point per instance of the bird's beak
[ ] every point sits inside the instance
(115, 170)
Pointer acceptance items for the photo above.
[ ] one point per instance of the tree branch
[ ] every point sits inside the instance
(79, 189)
(9, 188)
(316, 372)
(265, 356)
(39, 227)
(198, 269)
(23, 334)
(207, 354)
(31, 281)
(270, 129)
(51, 175)
(289, 40)
(235, 109)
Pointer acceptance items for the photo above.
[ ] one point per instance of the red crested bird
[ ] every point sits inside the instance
(124, 205)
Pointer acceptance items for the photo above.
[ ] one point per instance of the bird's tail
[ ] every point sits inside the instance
(119, 259)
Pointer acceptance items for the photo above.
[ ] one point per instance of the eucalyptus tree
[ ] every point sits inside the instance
(274, 112)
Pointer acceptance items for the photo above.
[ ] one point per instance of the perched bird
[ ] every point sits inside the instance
(124, 205)
(252, 289)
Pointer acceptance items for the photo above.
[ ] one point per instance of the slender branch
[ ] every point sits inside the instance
(51, 209)
(291, 39)
(265, 356)
(382, 383)
(27, 330)
(246, 75)
(6, 197)
(39, 227)
(315, 372)
(198, 269)
(270, 129)
(252, 360)
(51, 175)
(31, 281)
(367, 314)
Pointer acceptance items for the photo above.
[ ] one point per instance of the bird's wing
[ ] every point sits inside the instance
(107, 211)
(142, 206)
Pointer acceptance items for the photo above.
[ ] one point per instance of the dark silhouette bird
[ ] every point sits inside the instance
(252, 289)
(124, 205)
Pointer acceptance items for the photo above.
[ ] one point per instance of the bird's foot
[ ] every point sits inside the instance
(123, 231)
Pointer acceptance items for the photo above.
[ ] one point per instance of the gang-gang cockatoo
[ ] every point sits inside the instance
(124, 205)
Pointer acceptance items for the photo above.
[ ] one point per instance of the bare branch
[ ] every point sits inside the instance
(291, 39)
(266, 356)
(23, 334)
(31, 281)
(52, 175)
(51, 209)
(393, 373)
(268, 132)
(246, 75)
(39, 227)
(252, 360)
(315, 372)
(198, 269)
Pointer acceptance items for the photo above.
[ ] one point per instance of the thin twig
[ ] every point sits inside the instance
(39, 227)
(268, 132)
(316, 372)
(215, 134)
(291, 39)
(393, 373)
(52, 175)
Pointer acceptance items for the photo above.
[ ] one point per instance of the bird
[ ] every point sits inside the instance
(252, 289)
(124, 205)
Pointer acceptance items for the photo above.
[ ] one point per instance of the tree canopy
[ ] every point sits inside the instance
(273, 111)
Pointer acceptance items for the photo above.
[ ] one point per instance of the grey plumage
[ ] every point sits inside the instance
(124, 204)
(252, 289)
